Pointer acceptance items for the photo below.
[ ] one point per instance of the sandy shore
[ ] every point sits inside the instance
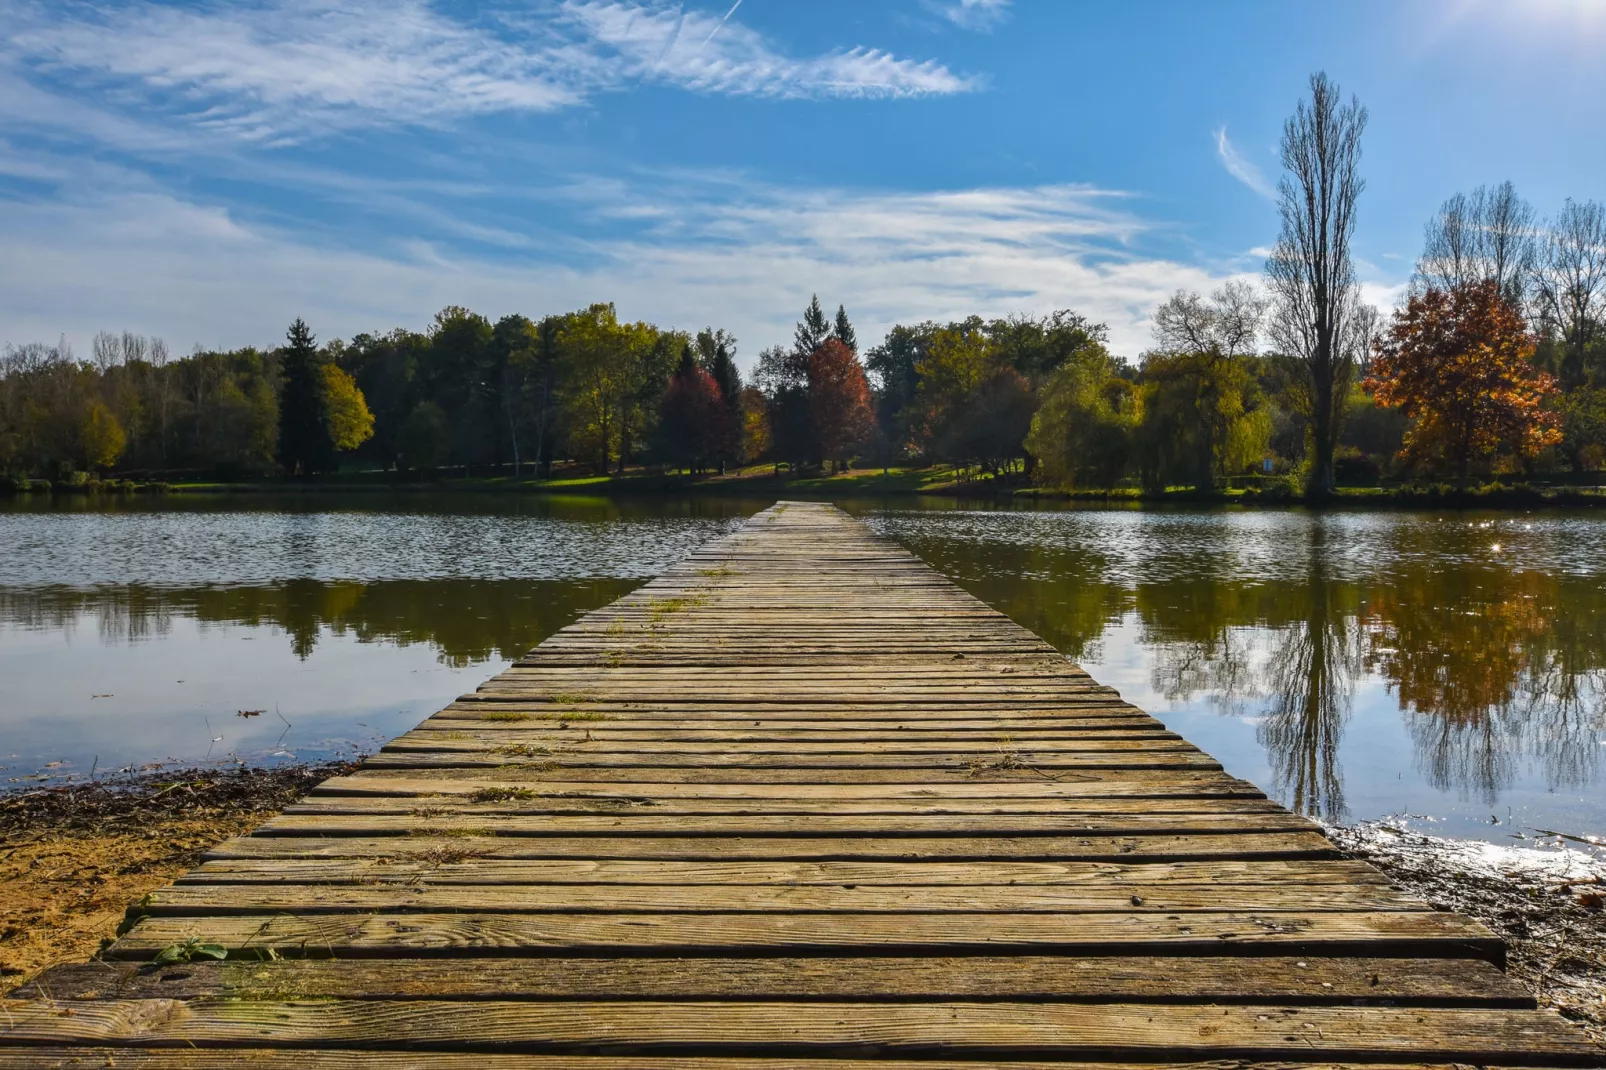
(1546, 904)
(73, 858)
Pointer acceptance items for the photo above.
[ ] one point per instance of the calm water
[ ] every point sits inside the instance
(138, 634)
(1450, 667)
(1355, 664)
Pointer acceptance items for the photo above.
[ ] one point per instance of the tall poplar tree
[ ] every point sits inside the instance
(1316, 305)
(305, 446)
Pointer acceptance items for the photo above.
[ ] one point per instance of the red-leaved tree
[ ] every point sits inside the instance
(692, 420)
(839, 401)
(1460, 362)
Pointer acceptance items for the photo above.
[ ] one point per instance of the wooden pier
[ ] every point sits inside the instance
(798, 804)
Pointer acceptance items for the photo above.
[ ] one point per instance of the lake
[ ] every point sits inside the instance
(1446, 670)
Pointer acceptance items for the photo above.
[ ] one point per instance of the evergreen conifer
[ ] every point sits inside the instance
(305, 446)
(812, 330)
(843, 331)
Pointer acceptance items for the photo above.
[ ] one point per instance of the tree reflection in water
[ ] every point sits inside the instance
(1496, 658)
(1310, 678)
(467, 620)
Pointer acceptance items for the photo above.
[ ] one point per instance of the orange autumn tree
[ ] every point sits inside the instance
(1460, 363)
(839, 401)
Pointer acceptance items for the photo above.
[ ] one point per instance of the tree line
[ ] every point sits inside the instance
(1495, 363)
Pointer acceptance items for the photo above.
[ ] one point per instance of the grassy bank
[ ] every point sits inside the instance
(938, 481)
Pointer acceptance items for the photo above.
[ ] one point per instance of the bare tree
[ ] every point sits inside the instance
(1226, 326)
(1488, 235)
(1310, 273)
(1569, 282)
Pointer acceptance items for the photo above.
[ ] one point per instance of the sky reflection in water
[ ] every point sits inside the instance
(1355, 665)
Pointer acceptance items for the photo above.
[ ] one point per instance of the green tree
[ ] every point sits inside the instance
(1037, 347)
(523, 366)
(957, 360)
(1085, 429)
(613, 376)
(305, 446)
(1215, 336)
(1184, 398)
(424, 437)
(812, 331)
(842, 330)
(388, 369)
(1583, 428)
(460, 374)
(895, 364)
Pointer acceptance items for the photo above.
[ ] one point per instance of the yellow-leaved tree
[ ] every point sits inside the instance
(345, 409)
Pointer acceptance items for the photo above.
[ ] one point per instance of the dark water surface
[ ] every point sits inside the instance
(1447, 666)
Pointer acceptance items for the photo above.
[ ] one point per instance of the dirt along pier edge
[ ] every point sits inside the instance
(799, 801)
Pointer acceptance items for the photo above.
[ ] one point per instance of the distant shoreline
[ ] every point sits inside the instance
(760, 482)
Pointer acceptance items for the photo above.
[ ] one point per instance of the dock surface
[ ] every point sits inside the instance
(800, 803)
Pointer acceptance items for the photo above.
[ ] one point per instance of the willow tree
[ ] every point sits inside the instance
(1316, 305)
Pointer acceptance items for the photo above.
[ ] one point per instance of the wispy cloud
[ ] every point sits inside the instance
(971, 14)
(1239, 167)
(283, 69)
(677, 249)
(680, 47)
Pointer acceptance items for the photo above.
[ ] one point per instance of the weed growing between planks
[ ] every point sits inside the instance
(502, 794)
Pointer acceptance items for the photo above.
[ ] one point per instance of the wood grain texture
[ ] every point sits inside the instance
(1092, 979)
(799, 803)
(968, 1029)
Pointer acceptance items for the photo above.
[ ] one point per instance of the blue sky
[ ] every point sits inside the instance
(207, 171)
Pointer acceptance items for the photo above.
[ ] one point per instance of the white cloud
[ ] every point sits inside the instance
(971, 14)
(1239, 167)
(277, 69)
(705, 53)
(693, 252)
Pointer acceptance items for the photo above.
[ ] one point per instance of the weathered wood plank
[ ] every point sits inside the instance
(231, 900)
(79, 1058)
(1423, 933)
(644, 821)
(490, 801)
(1158, 979)
(1137, 783)
(788, 874)
(1158, 848)
(972, 1029)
